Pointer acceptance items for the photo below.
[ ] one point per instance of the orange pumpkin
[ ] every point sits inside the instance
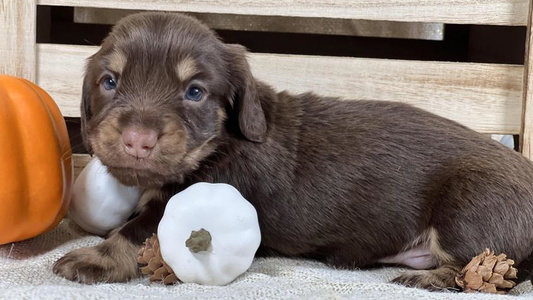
(35, 161)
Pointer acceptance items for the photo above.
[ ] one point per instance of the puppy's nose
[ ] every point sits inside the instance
(138, 142)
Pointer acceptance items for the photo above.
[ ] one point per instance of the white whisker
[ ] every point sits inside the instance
(10, 250)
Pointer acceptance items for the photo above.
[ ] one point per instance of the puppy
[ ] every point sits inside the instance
(349, 183)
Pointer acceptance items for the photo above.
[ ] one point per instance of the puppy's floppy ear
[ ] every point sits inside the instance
(252, 122)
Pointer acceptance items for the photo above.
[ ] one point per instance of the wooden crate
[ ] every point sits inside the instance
(309, 25)
(490, 98)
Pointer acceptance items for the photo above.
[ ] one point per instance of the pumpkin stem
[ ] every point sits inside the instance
(198, 241)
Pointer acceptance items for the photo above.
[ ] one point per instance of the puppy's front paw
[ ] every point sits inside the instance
(112, 261)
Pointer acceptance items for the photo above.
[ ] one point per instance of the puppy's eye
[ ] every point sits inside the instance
(193, 94)
(109, 83)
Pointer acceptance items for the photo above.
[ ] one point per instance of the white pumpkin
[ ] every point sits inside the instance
(209, 234)
(100, 203)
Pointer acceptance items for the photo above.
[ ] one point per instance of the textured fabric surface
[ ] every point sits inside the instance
(25, 273)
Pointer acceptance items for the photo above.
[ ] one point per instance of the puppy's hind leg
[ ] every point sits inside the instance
(476, 205)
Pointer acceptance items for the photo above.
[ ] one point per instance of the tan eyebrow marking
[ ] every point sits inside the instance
(186, 68)
(117, 61)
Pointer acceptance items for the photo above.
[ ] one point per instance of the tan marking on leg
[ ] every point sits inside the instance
(186, 68)
(430, 237)
(434, 246)
(422, 239)
(147, 196)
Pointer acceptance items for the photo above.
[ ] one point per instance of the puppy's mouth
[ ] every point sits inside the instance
(138, 177)
(143, 172)
(162, 165)
(147, 172)
(136, 164)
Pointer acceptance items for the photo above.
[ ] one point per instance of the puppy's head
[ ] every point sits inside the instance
(155, 98)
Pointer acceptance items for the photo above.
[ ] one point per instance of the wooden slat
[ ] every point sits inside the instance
(60, 70)
(485, 97)
(495, 12)
(80, 161)
(401, 30)
(526, 131)
(17, 38)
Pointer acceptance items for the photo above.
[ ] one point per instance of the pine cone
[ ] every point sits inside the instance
(152, 262)
(487, 273)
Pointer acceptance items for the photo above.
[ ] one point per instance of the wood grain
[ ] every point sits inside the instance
(494, 12)
(80, 161)
(526, 131)
(348, 27)
(60, 70)
(485, 97)
(17, 38)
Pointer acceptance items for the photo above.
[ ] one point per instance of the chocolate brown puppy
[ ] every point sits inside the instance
(350, 183)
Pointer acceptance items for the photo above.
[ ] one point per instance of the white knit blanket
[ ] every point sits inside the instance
(25, 273)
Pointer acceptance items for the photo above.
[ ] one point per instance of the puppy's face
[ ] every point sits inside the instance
(156, 98)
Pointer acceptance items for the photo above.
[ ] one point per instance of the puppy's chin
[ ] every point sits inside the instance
(156, 170)
(141, 178)
(151, 172)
